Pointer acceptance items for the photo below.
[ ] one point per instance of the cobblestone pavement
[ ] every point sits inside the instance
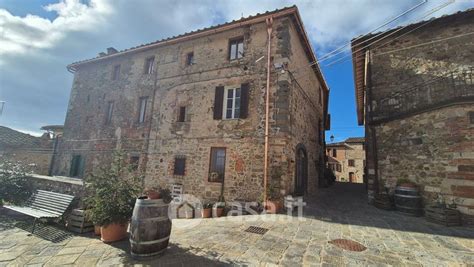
(337, 212)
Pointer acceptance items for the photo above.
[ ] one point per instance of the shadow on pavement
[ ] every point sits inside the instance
(346, 203)
(44, 230)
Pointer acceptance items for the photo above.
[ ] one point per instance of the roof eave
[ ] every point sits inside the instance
(200, 33)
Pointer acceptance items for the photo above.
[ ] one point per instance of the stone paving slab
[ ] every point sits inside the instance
(390, 238)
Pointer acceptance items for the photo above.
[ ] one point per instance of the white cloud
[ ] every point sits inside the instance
(22, 34)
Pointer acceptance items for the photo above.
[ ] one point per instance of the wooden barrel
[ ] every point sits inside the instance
(150, 227)
(408, 201)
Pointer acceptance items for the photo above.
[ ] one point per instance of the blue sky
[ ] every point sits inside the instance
(40, 37)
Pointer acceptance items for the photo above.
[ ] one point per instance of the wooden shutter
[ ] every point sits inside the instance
(218, 102)
(244, 100)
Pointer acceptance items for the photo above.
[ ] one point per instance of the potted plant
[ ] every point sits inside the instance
(273, 203)
(206, 211)
(219, 209)
(110, 193)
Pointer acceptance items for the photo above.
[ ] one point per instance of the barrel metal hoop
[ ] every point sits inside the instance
(407, 196)
(147, 254)
(408, 208)
(149, 242)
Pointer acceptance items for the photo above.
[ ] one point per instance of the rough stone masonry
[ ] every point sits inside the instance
(168, 103)
(419, 113)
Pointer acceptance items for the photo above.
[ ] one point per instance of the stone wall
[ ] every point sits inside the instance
(36, 159)
(434, 150)
(173, 85)
(417, 118)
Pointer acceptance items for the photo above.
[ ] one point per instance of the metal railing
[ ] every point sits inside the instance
(456, 86)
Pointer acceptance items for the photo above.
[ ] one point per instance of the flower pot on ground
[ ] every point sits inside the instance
(206, 211)
(97, 229)
(113, 232)
(219, 209)
(110, 195)
(273, 206)
(273, 203)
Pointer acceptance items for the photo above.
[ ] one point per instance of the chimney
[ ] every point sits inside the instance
(101, 54)
(111, 51)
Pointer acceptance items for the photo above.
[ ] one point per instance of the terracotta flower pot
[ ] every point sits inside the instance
(219, 212)
(96, 229)
(411, 185)
(113, 232)
(206, 213)
(273, 206)
(152, 194)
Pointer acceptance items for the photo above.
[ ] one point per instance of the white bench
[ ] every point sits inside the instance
(44, 204)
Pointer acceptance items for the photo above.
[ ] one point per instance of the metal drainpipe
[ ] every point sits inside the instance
(269, 22)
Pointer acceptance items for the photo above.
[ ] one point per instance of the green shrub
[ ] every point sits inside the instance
(15, 186)
(111, 192)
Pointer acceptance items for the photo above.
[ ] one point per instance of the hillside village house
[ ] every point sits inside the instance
(33, 152)
(347, 159)
(415, 94)
(191, 109)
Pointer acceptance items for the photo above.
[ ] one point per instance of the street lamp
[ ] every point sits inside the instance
(332, 138)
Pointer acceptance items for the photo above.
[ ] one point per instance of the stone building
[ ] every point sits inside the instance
(191, 109)
(347, 159)
(415, 93)
(34, 152)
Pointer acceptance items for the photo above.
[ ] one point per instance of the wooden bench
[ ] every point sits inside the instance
(44, 204)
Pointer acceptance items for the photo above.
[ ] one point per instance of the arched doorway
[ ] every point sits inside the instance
(301, 172)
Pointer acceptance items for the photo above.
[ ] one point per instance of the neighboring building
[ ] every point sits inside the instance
(34, 152)
(191, 109)
(415, 95)
(347, 159)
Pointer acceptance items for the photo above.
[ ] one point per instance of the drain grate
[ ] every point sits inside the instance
(348, 244)
(256, 230)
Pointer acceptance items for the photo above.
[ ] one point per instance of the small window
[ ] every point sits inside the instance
(236, 48)
(110, 110)
(351, 163)
(217, 165)
(190, 59)
(77, 166)
(179, 165)
(334, 152)
(338, 168)
(149, 65)
(471, 117)
(142, 109)
(134, 162)
(116, 72)
(232, 103)
(182, 114)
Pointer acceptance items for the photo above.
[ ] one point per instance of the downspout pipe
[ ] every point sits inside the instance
(269, 22)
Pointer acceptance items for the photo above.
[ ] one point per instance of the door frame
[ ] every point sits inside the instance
(301, 173)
